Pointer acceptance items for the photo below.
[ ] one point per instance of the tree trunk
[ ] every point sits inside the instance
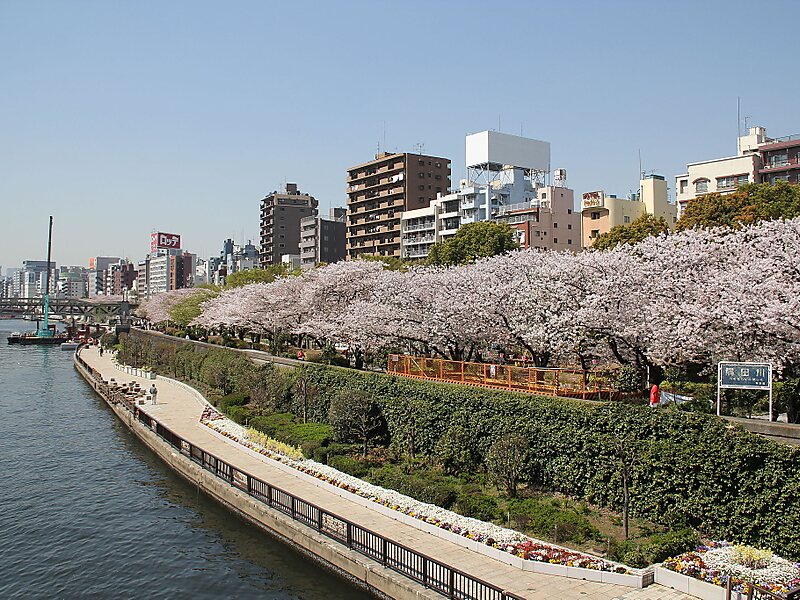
(625, 500)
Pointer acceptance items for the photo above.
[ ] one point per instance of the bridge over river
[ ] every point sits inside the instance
(96, 311)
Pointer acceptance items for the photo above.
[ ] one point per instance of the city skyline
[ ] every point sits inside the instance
(124, 119)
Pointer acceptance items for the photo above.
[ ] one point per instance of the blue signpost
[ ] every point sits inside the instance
(744, 376)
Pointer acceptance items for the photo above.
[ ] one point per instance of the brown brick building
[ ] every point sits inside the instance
(380, 190)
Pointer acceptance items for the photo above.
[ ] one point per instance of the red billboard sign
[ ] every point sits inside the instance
(170, 241)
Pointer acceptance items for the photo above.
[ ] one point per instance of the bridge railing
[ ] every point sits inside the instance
(428, 571)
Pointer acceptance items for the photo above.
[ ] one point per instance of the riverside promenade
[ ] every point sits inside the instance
(179, 409)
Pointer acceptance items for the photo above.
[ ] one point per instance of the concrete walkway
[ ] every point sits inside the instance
(180, 410)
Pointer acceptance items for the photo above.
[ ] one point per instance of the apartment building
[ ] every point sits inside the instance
(281, 214)
(380, 190)
(323, 239)
(600, 211)
(780, 160)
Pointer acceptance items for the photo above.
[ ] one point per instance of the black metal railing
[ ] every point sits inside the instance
(756, 592)
(419, 567)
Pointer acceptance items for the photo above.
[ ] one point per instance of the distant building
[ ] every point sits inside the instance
(167, 267)
(505, 174)
(722, 175)
(600, 211)
(323, 239)
(380, 190)
(281, 214)
(780, 160)
(292, 261)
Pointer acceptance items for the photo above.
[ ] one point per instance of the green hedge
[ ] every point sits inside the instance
(693, 469)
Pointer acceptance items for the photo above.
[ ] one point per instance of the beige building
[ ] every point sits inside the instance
(379, 191)
(600, 212)
(281, 214)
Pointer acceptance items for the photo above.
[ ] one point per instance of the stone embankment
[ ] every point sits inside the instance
(391, 558)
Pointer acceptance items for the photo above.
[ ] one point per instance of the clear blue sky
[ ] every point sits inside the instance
(126, 116)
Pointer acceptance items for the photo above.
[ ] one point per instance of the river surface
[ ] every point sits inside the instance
(87, 511)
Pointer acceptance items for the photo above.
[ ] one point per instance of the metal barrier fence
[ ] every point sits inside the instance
(419, 567)
(756, 592)
(571, 383)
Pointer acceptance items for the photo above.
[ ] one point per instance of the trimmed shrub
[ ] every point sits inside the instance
(478, 506)
(545, 518)
(656, 548)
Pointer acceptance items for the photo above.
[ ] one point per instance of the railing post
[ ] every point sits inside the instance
(509, 376)
(452, 583)
(425, 572)
(269, 495)
(349, 535)
(249, 486)
(294, 510)
(319, 519)
(384, 551)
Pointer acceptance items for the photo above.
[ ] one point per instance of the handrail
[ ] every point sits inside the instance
(431, 573)
(571, 383)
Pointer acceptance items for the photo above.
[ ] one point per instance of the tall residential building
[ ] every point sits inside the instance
(323, 239)
(281, 214)
(380, 190)
(600, 211)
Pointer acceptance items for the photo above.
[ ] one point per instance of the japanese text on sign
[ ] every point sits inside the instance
(754, 376)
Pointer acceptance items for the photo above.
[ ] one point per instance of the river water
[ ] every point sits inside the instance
(87, 511)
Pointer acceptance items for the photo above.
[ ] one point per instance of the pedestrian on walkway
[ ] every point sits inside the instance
(101, 351)
(153, 393)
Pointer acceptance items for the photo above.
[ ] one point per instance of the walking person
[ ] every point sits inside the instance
(153, 393)
(101, 351)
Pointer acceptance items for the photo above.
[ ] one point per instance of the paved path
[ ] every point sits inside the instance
(179, 410)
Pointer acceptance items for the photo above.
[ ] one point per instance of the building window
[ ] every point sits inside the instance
(779, 160)
(544, 195)
(569, 211)
(742, 179)
(626, 219)
(555, 225)
(555, 240)
(569, 242)
(421, 175)
(701, 186)
(595, 233)
(684, 185)
(595, 215)
(569, 225)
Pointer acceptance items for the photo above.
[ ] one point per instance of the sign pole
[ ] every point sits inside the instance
(719, 389)
(770, 404)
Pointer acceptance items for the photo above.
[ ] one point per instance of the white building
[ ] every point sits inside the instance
(722, 175)
(502, 170)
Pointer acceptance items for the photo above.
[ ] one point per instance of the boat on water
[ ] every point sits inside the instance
(31, 338)
(70, 345)
(45, 335)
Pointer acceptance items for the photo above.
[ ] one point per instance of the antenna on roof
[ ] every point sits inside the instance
(738, 117)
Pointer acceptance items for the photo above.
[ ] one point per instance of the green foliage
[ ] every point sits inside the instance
(188, 309)
(546, 518)
(108, 340)
(644, 226)
(656, 548)
(267, 275)
(629, 379)
(787, 399)
(478, 506)
(239, 414)
(423, 484)
(751, 203)
(507, 461)
(454, 451)
(473, 241)
(355, 417)
(348, 464)
(692, 469)
(284, 428)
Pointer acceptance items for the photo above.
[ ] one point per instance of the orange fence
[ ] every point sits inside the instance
(571, 383)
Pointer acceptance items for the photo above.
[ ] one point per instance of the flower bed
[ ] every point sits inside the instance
(717, 562)
(505, 540)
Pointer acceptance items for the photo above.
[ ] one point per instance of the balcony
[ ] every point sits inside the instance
(420, 226)
(428, 239)
(781, 164)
